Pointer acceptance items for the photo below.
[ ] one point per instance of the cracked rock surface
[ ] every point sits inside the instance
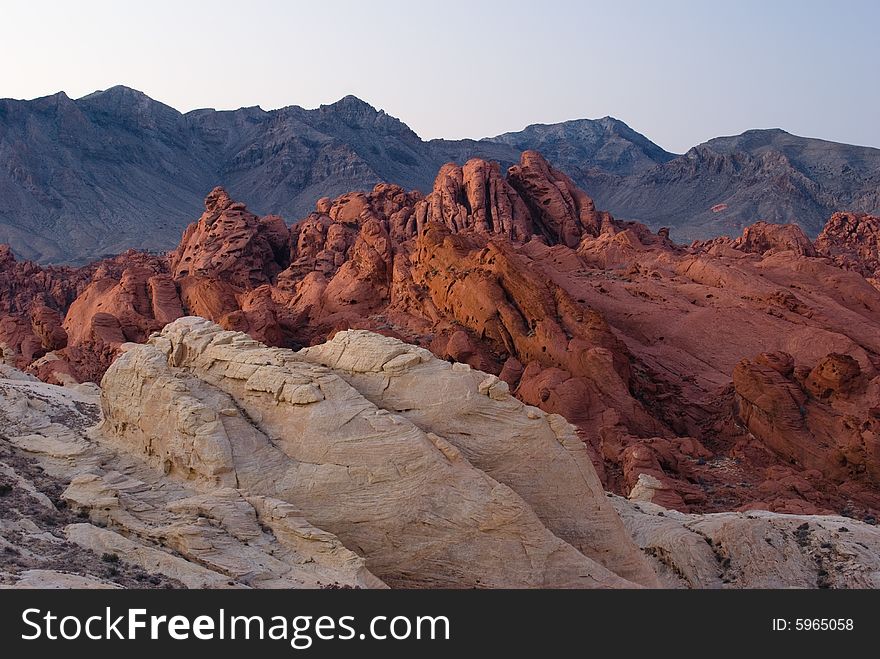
(209, 460)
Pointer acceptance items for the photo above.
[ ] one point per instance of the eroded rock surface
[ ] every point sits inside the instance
(699, 377)
(217, 408)
(208, 460)
(78, 512)
(516, 444)
(852, 240)
(757, 549)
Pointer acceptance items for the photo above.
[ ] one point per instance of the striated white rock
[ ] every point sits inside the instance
(757, 549)
(538, 455)
(221, 463)
(416, 511)
(218, 539)
(154, 560)
(164, 525)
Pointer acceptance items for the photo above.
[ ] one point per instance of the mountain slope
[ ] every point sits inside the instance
(88, 177)
(577, 146)
(727, 183)
(115, 169)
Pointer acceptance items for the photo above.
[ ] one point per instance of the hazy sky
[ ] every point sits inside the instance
(678, 71)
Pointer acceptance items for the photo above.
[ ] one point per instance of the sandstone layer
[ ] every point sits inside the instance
(209, 460)
(756, 549)
(79, 512)
(218, 408)
(733, 374)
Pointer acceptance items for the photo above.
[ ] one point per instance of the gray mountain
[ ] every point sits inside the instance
(718, 187)
(582, 145)
(116, 169)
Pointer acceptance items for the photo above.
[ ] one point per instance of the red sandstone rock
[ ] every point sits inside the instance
(31, 299)
(46, 325)
(127, 296)
(561, 212)
(835, 374)
(766, 239)
(232, 244)
(139, 302)
(19, 346)
(512, 372)
(731, 374)
(476, 197)
(852, 240)
(823, 423)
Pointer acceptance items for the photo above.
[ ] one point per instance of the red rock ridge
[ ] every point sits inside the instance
(728, 374)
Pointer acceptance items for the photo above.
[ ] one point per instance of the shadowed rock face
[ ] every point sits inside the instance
(729, 374)
(209, 460)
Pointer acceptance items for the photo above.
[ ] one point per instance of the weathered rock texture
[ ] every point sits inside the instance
(726, 375)
(136, 526)
(218, 408)
(754, 550)
(517, 445)
(219, 462)
(852, 240)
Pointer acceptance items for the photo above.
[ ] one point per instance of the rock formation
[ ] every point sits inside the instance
(755, 549)
(725, 375)
(519, 446)
(208, 460)
(78, 512)
(266, 422)
(766, 239)
(852, 240)
(232, 244)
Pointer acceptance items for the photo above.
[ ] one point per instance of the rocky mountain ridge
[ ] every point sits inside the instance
(115, 170)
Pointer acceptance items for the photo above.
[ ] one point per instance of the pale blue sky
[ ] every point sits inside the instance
(678, 71)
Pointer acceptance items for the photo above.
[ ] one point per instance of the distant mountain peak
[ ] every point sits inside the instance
(608, 120)
(130, 106)
(350, 104)
(352, 100)
(607, 143)
(117, 91)
(358, 114)
(759, 131)
(115, 169)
